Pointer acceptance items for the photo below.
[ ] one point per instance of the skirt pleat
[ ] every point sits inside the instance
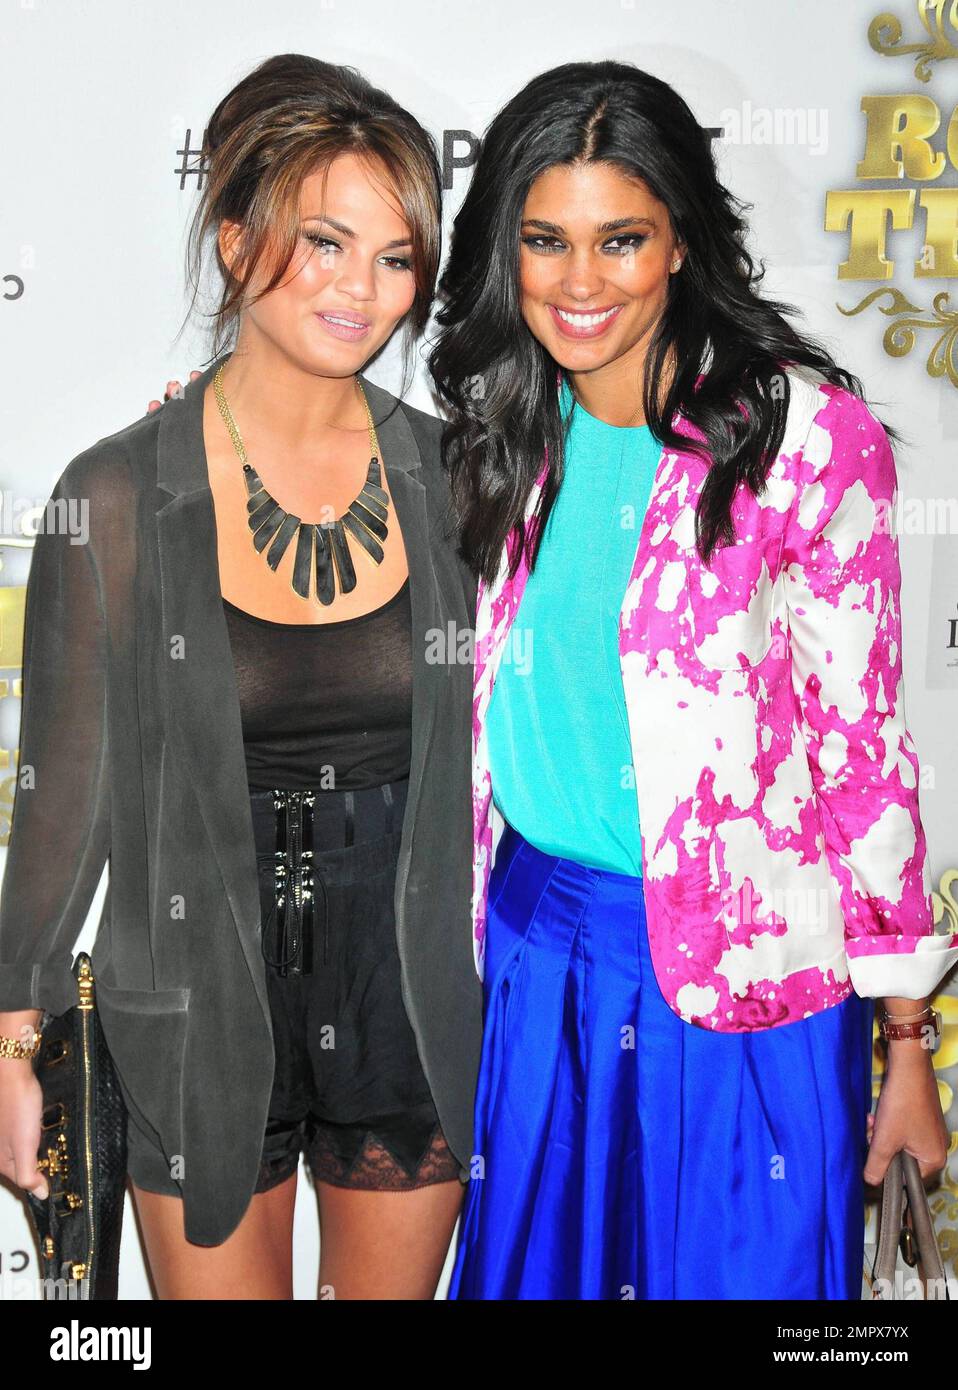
(624, 1153)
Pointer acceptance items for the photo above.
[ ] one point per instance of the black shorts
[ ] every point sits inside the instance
(348, 1088)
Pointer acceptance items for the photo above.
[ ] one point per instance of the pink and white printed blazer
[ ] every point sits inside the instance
(783, 856)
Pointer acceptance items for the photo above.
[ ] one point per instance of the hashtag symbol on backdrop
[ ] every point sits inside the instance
(199, 168)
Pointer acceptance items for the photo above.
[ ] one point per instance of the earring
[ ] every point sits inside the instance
(677, 264)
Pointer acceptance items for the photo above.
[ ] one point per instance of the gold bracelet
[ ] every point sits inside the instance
(13, 1047)
(909, 1018)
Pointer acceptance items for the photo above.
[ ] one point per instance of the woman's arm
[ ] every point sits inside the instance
(842, 587)
(909, 1114)
(843, 584)
(60, 825)
(18, 1024)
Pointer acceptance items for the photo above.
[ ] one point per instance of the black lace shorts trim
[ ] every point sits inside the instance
(373, 1168)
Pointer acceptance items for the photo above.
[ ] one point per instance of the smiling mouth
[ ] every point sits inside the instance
(348, 319)
(580, 324)
(344, 324)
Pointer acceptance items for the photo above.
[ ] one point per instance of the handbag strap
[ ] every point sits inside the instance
(904, 1206)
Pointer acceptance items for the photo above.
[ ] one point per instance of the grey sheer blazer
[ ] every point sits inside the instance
(131, 749)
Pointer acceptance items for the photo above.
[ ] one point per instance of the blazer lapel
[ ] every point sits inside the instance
(200, 675)
(200, 678)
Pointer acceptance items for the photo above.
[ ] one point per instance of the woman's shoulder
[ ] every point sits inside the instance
(426, 430)
(426, 427)
(815, 404)
(835, 446)
(109, 472)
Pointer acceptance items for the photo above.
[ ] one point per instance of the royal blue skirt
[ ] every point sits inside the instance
(623, 1153)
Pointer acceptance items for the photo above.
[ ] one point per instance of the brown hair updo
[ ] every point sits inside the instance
(286, 119)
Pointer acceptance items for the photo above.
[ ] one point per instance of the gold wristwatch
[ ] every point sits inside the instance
(13, 1047)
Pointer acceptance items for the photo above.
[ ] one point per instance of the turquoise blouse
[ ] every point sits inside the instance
(559, 748)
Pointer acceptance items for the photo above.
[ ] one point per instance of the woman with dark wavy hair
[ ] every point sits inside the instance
(688, 620)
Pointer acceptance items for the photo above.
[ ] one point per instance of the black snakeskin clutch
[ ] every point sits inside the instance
(82, 1152)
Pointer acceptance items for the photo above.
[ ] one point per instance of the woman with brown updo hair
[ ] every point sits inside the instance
(273, 558)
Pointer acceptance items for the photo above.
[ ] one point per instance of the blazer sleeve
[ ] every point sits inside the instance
(842, 585)
(60, 827)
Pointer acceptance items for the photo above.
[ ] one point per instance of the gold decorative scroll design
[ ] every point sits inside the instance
(885, 33)
(901, 334)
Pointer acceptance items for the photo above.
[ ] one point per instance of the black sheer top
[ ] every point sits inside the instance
(326, 706)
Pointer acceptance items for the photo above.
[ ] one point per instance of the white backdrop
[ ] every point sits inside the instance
(96, 104)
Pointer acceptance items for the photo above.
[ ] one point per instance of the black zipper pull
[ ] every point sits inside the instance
(295, 883)
(306, 882)
(280, 885)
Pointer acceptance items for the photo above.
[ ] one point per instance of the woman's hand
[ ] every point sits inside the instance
(21, 1112)
(909, 1113)
(173, 388)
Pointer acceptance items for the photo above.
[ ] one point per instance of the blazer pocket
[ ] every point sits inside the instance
(731, 621)
(145, 1031)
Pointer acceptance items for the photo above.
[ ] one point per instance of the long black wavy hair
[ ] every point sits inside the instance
(499, 383)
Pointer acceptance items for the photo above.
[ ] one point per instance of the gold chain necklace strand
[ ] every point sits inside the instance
(364, 518)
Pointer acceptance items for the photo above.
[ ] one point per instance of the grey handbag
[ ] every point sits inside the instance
(905, 1228)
